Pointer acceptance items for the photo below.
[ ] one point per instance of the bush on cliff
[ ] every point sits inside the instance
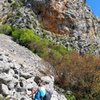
(5, 29)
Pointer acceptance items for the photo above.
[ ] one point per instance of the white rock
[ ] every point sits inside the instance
(4, 89)
(47, 79)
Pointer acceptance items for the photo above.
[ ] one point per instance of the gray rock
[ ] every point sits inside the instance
(25, 75)
(4, 89)
(19, 80)
(5, 78)
(47, 79)
(12, 84)
(11, 72)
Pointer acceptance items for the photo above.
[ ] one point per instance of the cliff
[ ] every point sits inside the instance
(70, 18)
(70, 23)
(18, 68)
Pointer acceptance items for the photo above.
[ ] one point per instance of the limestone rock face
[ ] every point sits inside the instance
(72, 19)
(64, 16)
(18, 70)
(69, 22)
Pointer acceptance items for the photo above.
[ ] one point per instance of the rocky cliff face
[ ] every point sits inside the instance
(18, 67)
(72, 18)
(71, 21)
(66, 16)
(67, 22)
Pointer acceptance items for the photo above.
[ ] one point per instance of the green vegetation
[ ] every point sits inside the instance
(5, 29)
(17, 4)
(23, 36)
(79, 74)
(41, 46)
(69, 95)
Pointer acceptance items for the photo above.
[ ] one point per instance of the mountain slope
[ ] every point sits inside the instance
(70, 18)
(18, 67)
(21, 54)
(69, 22)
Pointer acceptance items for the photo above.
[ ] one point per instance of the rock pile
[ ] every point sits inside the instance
(13, 81)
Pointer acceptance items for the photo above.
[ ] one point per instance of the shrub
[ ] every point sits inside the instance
(5, 29)
(79, 75)
(53, 57)
(43, 49)
(17, 33)
(17, 4)
(69, 95)
(39, 46)
(60, 48)
(23, 36)
(26, 37)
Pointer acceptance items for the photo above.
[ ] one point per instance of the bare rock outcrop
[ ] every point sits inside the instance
(69, 22)
(18, 68)
(72, 19)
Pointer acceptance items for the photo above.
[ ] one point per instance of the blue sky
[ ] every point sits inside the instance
(95, 6)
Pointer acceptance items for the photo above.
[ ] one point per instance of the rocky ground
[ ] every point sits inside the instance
(22, 55)
(18, 67)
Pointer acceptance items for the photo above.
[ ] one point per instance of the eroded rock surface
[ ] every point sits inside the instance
(18, 68)
(69, 22)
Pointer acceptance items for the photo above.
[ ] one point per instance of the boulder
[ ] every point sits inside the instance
(4, 89)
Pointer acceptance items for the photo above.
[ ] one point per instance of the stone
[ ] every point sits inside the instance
(48, 79)
(11, 72)
(25, 75)
(5, 77)
(4, 89)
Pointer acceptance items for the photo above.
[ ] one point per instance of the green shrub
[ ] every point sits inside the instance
(5, 29)
(23, 36)
(17, 4)
(39, 46)
(55, 54)
(42, 48)
(17, 33)
(70, 96)
(26, 37)
(61, 49)
(54, 57)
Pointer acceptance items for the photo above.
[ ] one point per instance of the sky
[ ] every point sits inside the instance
(95, 6)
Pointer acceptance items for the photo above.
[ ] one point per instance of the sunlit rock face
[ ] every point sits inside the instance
(70, 18)
(65, 16)
(18, 70)
(73, 20)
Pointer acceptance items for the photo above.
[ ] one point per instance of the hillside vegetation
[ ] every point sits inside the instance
(79, 74)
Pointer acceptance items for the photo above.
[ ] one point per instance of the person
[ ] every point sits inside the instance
(40, 91)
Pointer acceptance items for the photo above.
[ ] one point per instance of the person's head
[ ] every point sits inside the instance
(38, 80)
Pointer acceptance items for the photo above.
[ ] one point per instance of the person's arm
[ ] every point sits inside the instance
(33, 92)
